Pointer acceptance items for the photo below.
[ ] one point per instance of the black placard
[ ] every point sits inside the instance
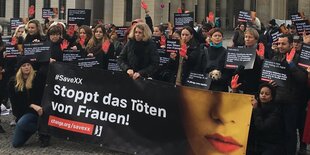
(296, 17)
(244, 16)
(198, 80)
(38, 51)
(173, 45)
(89, 62)
(164, 57)
(6, 40)
(15, 22)
(113, 66)
(71, 55)
(183, 19)
(49, 12)
(275, 36)
(121, 31)
(275, 71)
(79, 16)
(304, 58)
(11, 51)
(240, 56)
(301, 26)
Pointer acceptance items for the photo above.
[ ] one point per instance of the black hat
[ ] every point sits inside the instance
(22, 60)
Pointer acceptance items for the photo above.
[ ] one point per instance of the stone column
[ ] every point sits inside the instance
(247, 5)
(108, 11)
(223, 13)
(174, 8)
(263, 10)
(9, 5)
(24, 8)
(38, 11)
(201, 10)
(136, 9)
(303, 6)
(119, 12)
(89, 4)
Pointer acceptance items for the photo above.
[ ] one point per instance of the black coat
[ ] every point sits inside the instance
(210, 59)
(21, 100)
(294, 90)
(128, 59)
(267, 131)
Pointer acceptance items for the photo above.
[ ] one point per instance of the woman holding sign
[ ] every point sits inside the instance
(211, 61)
(139, 57)
(250, 78)
(100, 46)
(25, 92)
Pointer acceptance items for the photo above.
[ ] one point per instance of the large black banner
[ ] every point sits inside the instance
(142, 116)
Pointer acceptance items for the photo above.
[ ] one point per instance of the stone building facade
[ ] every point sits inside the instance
(122, 12)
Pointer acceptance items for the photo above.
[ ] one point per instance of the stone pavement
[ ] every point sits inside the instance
(57, 147)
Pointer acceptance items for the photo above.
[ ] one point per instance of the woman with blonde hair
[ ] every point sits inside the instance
(139, 57)
(25, 93)
(34, 32)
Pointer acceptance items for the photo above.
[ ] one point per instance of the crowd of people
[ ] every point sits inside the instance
(278, 111)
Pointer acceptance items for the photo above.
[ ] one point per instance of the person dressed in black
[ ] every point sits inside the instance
(25, 93)
(139, 57)
(267, 124)
(100, 46)
(211, 61)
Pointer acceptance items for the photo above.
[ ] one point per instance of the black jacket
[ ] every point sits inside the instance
(150, 58)
(210, 59)
(296, 83)
(268, 123)
(21, 100)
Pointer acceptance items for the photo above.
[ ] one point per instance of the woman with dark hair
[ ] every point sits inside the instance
(188, 57)
(267, 123)
(84, 35)
(54, 36)
(139, 57)
(211, 61)
(100, 46)
(25, 93)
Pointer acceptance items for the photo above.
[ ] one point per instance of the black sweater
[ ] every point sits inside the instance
(141, 57)
(21, 100)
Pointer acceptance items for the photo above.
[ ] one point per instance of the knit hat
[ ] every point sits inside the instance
(22, 60)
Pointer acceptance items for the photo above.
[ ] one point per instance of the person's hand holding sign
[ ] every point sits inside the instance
(290, 56)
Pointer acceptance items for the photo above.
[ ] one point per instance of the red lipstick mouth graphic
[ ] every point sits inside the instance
(223, 144)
